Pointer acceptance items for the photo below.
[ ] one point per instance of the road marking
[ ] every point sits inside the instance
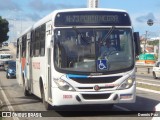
(147, 83)
(147, 90)
(10, 108)
(147, 80)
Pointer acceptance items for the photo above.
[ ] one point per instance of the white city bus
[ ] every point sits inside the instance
(62, 58)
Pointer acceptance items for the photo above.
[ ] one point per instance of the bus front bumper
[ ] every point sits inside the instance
(60, 97)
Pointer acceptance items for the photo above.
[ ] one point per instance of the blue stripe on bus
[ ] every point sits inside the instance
(76, 76)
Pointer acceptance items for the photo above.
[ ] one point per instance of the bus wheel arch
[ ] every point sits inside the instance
(42, 91)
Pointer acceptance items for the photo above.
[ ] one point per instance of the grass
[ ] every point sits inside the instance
(151, 87)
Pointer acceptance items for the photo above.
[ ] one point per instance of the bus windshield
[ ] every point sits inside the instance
(93, 50)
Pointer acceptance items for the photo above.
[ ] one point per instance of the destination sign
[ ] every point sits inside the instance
(92, 18)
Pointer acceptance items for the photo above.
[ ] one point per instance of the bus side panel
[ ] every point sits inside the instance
(38, 71)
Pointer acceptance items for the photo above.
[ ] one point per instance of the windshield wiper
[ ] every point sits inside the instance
(79, 33)
(109, 33)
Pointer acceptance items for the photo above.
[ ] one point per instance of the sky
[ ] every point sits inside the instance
(23, 13)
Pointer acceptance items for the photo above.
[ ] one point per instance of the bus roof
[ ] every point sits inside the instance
(90, 9)
(26, 31)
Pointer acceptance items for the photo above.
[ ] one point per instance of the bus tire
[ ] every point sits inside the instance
(46, 104)
(154, 75)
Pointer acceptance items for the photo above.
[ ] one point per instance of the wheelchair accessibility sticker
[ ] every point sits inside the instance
(102, 64)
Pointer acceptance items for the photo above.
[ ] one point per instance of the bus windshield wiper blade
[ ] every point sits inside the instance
(79, 33)
(109, 33)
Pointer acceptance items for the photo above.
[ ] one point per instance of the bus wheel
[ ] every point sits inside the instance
(154, 75)
(46, 104)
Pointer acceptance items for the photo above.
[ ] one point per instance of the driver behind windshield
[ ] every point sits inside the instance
(106, 48)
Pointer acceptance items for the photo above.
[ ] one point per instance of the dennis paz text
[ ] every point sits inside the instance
(152, 114)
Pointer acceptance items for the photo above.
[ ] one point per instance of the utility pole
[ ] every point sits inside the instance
(93, 3)
(159, 50)
(146, 37)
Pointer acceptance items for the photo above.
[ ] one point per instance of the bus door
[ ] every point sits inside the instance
(49, 51)
(28, 63)
(49, 59)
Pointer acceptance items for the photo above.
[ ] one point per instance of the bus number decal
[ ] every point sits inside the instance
(67, 96)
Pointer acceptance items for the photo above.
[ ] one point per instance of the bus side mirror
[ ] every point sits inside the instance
(137, 43)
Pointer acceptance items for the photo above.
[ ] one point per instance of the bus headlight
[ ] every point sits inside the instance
(63, 85)
(126, 84)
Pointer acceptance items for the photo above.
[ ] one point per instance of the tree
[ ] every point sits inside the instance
(155, 42)
(4, 29)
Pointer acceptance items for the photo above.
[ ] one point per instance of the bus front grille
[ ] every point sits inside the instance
(97, 80)
(104, 88)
